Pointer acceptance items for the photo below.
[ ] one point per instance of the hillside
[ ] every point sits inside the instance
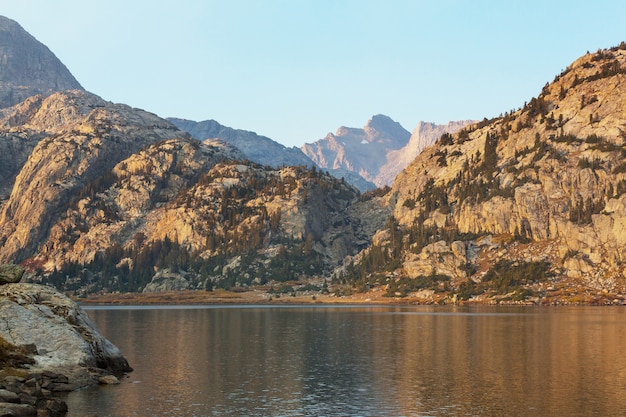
(118, 191)
(526, 206)
(424, 135)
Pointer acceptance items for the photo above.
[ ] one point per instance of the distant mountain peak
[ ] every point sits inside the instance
(384, 127)
(28, 67)
(389, 148)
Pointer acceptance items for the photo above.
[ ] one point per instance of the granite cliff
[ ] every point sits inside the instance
(102, 194)
(27, 67)
(526, 206)
(77, 138)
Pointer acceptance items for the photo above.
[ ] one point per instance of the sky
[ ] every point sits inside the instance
(294, 70)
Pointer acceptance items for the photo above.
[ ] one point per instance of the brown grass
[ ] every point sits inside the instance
(13, 356)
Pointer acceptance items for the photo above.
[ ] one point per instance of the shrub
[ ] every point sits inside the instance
(507, 275)
(587, 163)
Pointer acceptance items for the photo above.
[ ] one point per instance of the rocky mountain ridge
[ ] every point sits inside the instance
(119, 191)
(526, 206)
(256, 148)
(80, 137)
(378, 151)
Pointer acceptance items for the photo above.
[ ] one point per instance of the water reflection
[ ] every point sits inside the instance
(363, 361)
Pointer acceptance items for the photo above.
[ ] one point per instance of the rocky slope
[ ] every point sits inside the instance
(423, 136)
(256, 148)
(122, 192)
(377, 152)
(201, 224)
(525, 206)
(79, 138)
(101, 196)
(27, 67)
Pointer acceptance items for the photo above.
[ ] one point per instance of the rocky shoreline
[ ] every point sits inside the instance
(48, 346)
(34, 394)
(551, 296)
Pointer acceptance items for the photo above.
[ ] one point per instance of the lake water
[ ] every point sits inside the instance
(363, 361)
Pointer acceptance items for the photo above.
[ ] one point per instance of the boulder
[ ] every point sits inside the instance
(166, 280)
(65, 337)
(8, 396)
(10, 273)
(17, 410)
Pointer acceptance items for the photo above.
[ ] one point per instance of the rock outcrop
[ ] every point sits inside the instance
(10, 273)
(27, 67)
(167, 280)
(81, 138)
(64, 337)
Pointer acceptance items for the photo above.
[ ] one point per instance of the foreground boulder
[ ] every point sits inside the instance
(65, 339)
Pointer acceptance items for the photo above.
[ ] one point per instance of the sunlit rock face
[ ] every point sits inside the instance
(547, 181)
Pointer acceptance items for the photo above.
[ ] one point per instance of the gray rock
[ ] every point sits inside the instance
(56, 407)
(377, 152)
(17, 410)
(166, 280)
(257, 148)
(8, 396)
(28, 67)
(65, 337)
(10, 273)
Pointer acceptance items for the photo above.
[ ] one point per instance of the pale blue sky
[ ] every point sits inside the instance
(294, 70)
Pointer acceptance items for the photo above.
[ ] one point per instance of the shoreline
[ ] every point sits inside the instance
(261, 297)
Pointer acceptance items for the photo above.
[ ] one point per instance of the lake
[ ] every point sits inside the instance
(362, 361)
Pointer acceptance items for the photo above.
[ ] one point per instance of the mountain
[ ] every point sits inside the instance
(256, 148)
(377, 152)
(27, 67)
(358, 150)
(528, 207)
(99, 196)
(78, 138)
(108, 192)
